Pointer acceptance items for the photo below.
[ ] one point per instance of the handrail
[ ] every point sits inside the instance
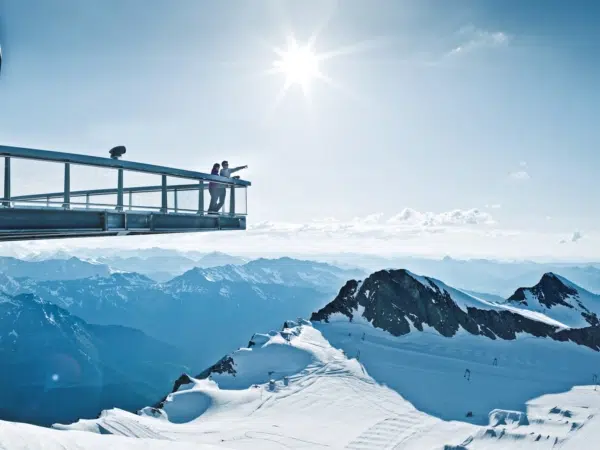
(97, 161)
(109, 191)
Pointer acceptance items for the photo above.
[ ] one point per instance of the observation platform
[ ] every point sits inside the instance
(118, 198)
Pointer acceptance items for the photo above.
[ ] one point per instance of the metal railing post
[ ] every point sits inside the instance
(201, 197)
(6, 181)
(232, 200)
(130, 200)
(175, 199)
(164, 208)
(120, 190)
(87, 201)
(67, 191)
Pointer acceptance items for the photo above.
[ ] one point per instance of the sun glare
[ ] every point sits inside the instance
(299, 64)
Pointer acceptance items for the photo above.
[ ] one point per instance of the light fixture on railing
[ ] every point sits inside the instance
(117, 152)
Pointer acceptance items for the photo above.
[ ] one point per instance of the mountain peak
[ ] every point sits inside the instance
(399, 301)
(550, 291)
(551, 277)
(559, 298)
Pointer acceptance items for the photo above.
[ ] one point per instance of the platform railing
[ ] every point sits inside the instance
(203, 187)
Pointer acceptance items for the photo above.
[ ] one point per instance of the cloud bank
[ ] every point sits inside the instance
(461, 233)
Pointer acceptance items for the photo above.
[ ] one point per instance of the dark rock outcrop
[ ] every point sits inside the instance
(392, 300)
(181, 381)
(344, 303)
(224, 365)
(589, 336)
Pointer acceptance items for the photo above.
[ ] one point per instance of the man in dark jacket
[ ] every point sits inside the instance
(226, 171)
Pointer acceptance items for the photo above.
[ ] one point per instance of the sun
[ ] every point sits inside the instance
(299, 64)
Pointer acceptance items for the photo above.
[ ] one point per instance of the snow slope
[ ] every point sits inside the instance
(329, 401)
(322, 396)
(19, 436)
(429, 370)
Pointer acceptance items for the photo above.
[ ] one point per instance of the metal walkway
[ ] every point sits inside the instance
(87, 213)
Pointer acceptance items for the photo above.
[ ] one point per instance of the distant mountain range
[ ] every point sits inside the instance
(219, 305)
(159, 264)
(486, 276)
(55, 366)
(53, 269)
(162, 268)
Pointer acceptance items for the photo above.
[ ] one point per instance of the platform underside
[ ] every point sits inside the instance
(20, 224)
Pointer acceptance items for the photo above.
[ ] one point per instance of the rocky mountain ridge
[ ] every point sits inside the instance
(398, 301)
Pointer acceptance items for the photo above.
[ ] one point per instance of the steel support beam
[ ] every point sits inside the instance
(27, 224)
(6, 181)
(232, 201)
(120, 190)
(67, 191)
(201, 197)
(164, 205)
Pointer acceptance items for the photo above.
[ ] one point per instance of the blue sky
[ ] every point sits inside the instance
(453, 127)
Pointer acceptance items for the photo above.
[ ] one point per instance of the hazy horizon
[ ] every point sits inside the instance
(24, 251)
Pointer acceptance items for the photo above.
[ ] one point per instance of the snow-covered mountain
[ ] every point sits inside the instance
(398, 301)
(397, 360)
(560, 299)
(282, 271)
(55, 366)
